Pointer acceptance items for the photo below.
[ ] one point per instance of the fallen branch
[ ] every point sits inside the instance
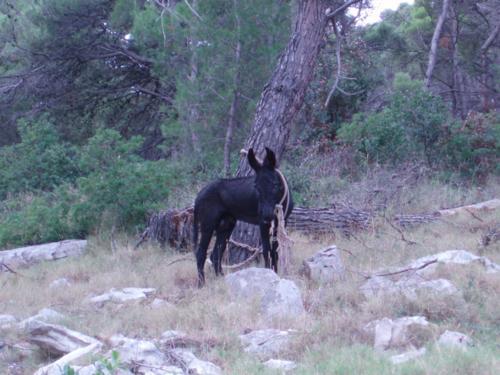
(406, 269)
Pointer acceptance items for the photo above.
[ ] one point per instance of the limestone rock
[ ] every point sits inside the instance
(123, 295)
(451, 257)
(159, 303)
(57, 340)
(26, 256)
(192, 364)
(282, 299)
(281, 365)
(326, 266)
(251, 282)
(277, 297)
(60, 283)
(407, 356)
(7, 321)
(455, 340)
(400, 333)
(44, 315)
(267, 343)
(144, 356)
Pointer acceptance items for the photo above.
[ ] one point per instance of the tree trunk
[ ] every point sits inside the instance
(281, 100)
(234, 103)
(458, 87)
(283, 95)
(434, 43)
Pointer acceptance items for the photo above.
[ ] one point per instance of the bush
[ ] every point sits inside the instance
(411, 127)
(117, 189)
(41, 161)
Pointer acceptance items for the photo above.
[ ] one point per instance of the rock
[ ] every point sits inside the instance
(455, 340)
(7, 321)
(58, 283)
(326, 266)
(414, 277)
(44, 315)
(123, 295)
(277, 297)
(410, 287)
(160, 303)
(400, 333)
(267, 343)
(281, 365)
(26, 256)
(451, 257)
(251, 282)
(192, 364)
(144, 356)
(57, 340)
(56, 367)
(407, 356)
(282, 299)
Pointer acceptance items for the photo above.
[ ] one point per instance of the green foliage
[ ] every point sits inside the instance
(116, 189)
(410, 126)
(41, 161)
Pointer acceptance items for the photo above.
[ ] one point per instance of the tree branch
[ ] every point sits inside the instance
(341, 8)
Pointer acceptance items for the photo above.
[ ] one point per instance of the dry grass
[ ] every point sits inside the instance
(331, 338)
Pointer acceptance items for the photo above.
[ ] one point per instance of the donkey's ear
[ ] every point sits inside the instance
(270, 160)
(252, 160)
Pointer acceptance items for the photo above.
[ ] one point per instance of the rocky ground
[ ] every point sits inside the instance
(388, 300)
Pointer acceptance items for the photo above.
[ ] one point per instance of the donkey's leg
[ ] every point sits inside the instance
(224, 231)
(274, 247)
(201, 253)
(266, 246)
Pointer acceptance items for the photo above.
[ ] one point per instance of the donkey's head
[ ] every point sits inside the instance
(268, 184)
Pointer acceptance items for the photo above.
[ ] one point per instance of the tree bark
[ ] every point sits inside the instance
(459, 102)
(434, 43)
(283, 95)
(234, 103)
(281, 100)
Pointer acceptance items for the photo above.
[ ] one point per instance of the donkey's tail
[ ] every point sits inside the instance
(195, 230)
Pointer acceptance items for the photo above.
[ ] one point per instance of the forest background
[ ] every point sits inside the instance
(113, 109)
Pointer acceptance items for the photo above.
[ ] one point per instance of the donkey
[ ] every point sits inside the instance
(253, 199)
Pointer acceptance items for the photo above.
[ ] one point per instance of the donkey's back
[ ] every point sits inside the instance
(235, 197)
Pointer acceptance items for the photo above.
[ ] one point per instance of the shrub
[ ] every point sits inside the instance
(41, 161)
(117, 189)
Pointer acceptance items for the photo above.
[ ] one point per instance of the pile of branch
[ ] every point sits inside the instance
(174, 227)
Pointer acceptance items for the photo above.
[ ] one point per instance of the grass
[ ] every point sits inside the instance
(330, 340)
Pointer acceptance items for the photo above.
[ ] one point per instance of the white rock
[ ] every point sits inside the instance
(160, 303)
(407, 356)
(455, 340)
(44, 315)
(267, 343)
(26, 256)
(194, 365)
(325, 266)
(280, 364)
(251, 282)
(123, 295)
(59, 283)
(277, 297)
(144, 356)
(7, 321)
(56, 339)
(282, 299)
(452, 257)
(399, 333)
